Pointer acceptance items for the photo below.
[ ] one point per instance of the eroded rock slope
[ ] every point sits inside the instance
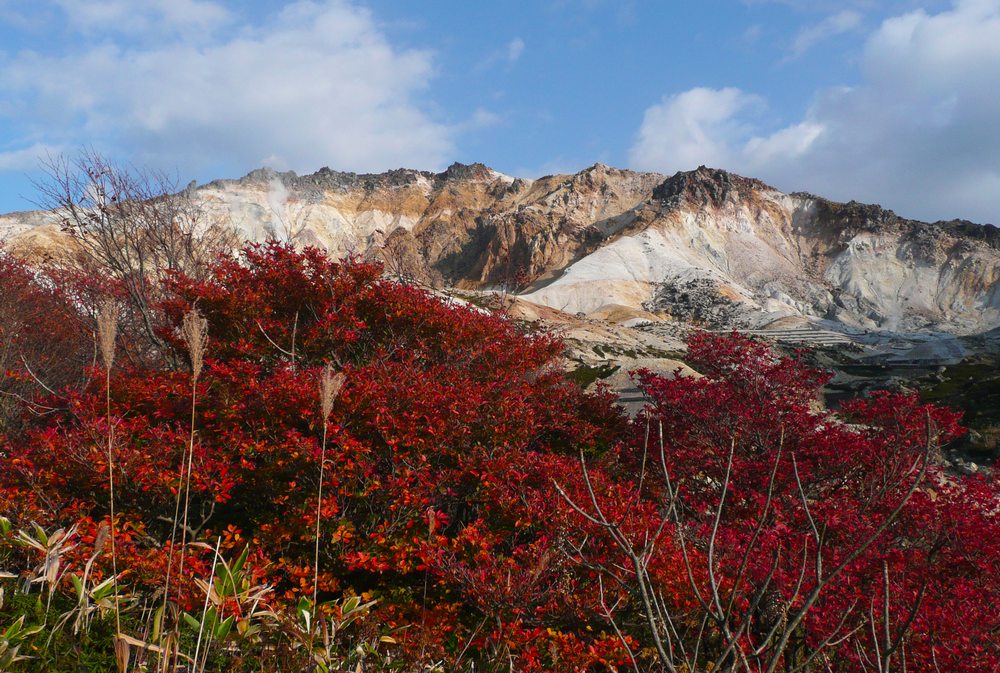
(703, 246)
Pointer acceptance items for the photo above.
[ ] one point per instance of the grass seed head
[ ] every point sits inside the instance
(102, 537)
(107, 331)
(194, 329)
(329, 387)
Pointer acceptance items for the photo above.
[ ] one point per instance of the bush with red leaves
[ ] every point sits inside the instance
(447, 448)
(434, 440)
(815, 538)
(43, 337)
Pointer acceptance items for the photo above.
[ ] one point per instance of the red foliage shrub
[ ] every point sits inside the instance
(789, 499)
(445, 447)
(444, 407)
(43, 336)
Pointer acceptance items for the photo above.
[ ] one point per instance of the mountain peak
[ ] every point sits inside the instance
(609, 236)
(707, 186)
(467, 172)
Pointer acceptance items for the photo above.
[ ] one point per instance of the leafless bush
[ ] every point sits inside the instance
(135, 226)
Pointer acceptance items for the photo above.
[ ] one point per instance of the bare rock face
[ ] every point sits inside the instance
(740, 253)
(705, 245)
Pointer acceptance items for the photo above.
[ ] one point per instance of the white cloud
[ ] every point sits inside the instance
(28, 158)
(480, 119)
(141, 16)
(790, 142)
(317, 84)
(919, 134)
(514, 49)
(835, 24)
(509, 55)
(699, 126)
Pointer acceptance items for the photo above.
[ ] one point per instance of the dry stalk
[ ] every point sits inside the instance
(204, 609)
(329, 387)
(194, 331)
(431, 527)
(107, 330)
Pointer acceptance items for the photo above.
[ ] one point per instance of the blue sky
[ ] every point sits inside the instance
(892, 101)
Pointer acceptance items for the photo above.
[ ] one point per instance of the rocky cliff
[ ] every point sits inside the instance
(759, 255)
(705, 245)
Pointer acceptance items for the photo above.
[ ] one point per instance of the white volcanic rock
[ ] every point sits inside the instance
(784, 255)
(703, 246)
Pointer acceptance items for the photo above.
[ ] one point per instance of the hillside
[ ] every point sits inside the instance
(704, 246)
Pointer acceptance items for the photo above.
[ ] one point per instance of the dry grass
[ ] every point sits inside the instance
(194, 331)
(107, 331)
(329, 387)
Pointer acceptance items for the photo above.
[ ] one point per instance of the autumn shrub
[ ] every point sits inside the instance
(44, 338)
(479, 511)
(810, 540)
(444, 409)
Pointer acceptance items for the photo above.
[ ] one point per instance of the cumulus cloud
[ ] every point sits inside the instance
(698, 126)
(919, 134)
(26, 158)
(316, 84)
(835, 24)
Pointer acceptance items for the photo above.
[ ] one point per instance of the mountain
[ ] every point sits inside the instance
(703, 246)
(724, 248)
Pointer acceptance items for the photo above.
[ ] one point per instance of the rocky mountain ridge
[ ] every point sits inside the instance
(703, 245)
